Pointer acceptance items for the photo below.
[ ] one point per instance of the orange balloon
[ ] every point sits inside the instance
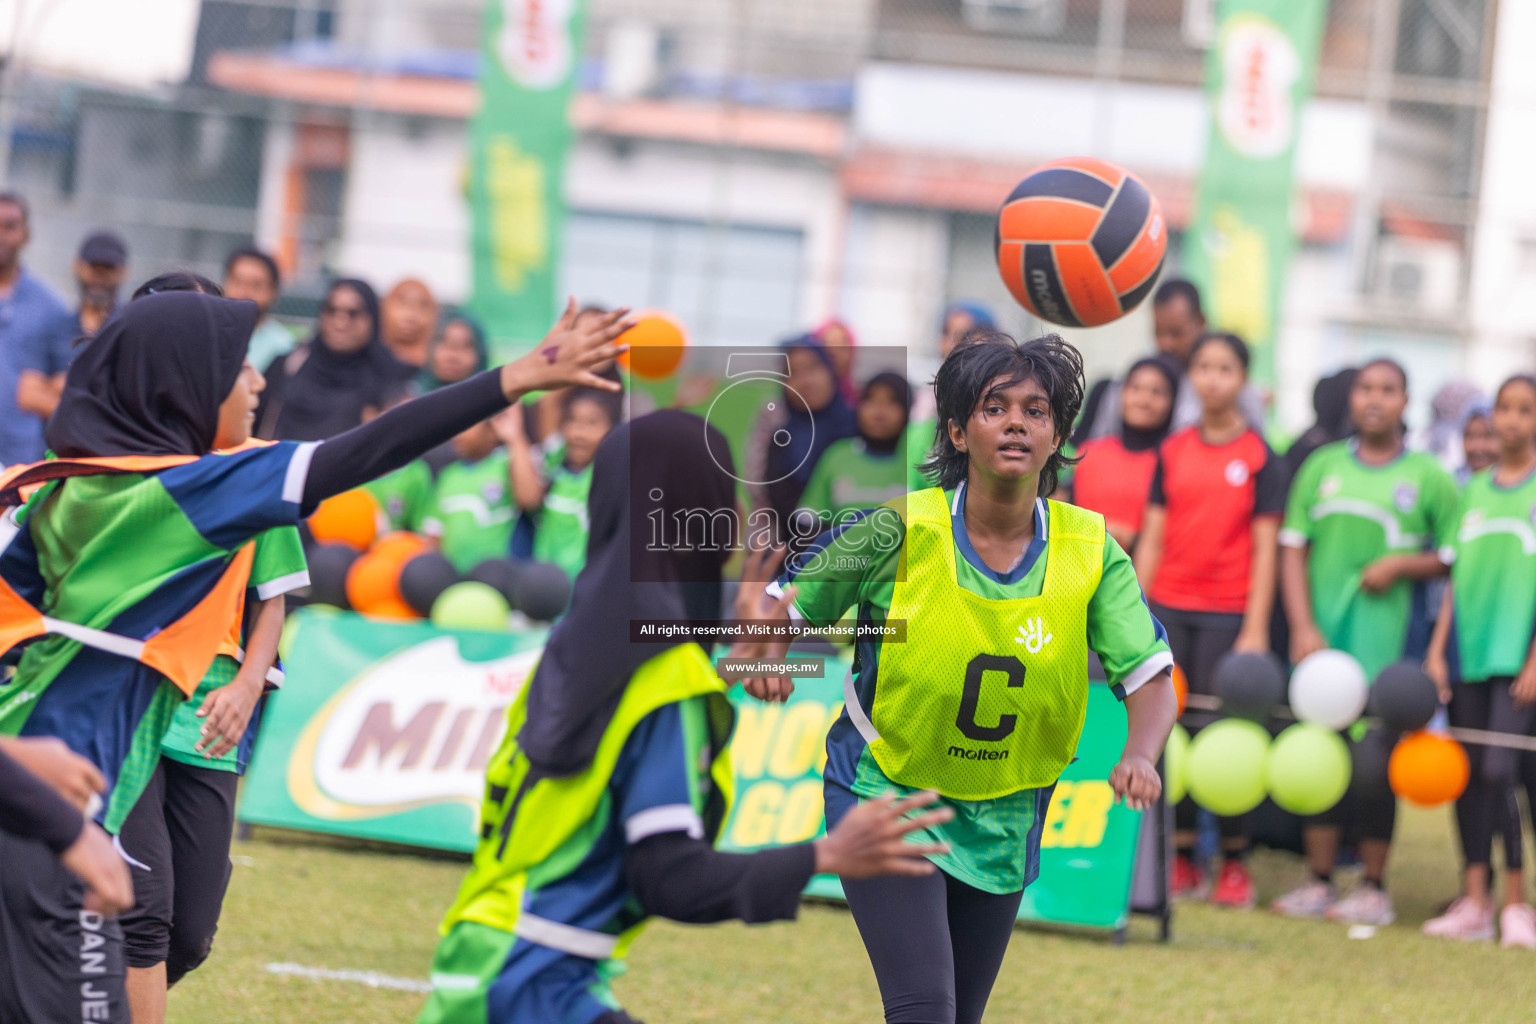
(656, 345)
(400, 546)
(373, 586)
(1428, 769)
(350, 518)
(1180, 687)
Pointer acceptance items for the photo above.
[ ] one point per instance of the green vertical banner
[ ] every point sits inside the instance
(1258, 77)
(530, 51)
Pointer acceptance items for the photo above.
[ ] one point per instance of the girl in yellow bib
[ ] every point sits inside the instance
(1002, 593)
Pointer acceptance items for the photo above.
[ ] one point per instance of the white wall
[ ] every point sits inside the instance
(1503, 300)
(404, 212)
(695, 183)
(1033, 117)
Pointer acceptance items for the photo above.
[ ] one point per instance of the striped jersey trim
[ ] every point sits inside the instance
(541, 931)
(298, 472)
(655, 821)
(1144, 673)
(282, 585)
(855, 710)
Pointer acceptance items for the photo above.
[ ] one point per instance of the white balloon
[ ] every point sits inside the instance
(1329, 688)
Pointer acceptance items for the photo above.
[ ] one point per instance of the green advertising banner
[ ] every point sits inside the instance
(382, 731)
(1258, 77)
(529, 54)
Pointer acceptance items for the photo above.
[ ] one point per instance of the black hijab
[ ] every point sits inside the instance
(1144, 440)
(651, 470)
(898, 386)
(428, 380)
(328, 392)
(1330, 403)
(152, 380)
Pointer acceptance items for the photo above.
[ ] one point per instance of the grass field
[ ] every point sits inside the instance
(296, 900)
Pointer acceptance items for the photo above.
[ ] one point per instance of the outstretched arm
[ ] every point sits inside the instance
(566, 357)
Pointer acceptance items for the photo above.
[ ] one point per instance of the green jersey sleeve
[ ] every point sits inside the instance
(1130, 643)
(404, 494)
(1296, 529)
(817, 495)
(1442, 507)
(853, 563)
(279, 565)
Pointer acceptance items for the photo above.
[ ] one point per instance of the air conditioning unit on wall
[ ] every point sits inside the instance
(1415, 275)
(1022, 17)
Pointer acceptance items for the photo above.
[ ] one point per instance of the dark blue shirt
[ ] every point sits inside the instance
(35, 334)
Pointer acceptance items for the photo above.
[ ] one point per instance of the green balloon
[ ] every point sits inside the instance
(1176, 765)
(1308, 769)
(471, 606)
(1225, 769)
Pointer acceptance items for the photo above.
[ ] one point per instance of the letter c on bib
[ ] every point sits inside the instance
(970, 698)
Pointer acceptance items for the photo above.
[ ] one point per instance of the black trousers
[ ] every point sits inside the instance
(177, 837)
(935, 942)
(1488, 804)
(1199, 640)
(58, 961)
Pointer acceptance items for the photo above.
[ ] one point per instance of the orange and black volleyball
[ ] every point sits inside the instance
(1080, 242)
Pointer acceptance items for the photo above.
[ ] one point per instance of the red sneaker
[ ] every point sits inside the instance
(1234, 887)
(1188, 881)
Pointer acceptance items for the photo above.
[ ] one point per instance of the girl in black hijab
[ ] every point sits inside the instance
(1114, 476)
(459, 352)
(604, 801)
(132, 560)
(796, 427)
(339, 377)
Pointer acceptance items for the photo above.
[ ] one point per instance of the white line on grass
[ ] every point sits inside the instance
(372, 979)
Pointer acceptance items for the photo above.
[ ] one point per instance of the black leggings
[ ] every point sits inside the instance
(1488, 804)
(180, 829)
(1199, 640)
(936, 944)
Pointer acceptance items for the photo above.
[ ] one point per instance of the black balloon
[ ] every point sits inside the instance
(1249, 685)
(500, 575)
(1368, 762)
(424, 578)
(542, 590)
(1404, 697)
(328, 565)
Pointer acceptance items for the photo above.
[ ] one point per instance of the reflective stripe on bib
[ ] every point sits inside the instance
(986, 697)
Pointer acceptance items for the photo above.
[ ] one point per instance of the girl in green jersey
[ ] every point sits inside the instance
(554, 488)
(1365, 521)
(1003, 594)
(1486, 618)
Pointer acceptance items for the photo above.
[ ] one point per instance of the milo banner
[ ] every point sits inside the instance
(529, 54)
(1258, 77)
(382, 731)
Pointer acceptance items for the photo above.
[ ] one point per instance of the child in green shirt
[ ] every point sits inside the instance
(1488, 610)
(1364, 523)
(553, 488)
(471, 512)
(868, 470)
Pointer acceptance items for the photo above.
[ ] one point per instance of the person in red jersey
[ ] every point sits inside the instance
(1206, 559)
(1115, 474)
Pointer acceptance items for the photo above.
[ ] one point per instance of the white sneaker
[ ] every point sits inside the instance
(1366, 904)
(1463, 920)
(1517, 927)
(1311, 900)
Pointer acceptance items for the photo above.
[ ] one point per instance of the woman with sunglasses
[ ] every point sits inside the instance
(339, 378)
